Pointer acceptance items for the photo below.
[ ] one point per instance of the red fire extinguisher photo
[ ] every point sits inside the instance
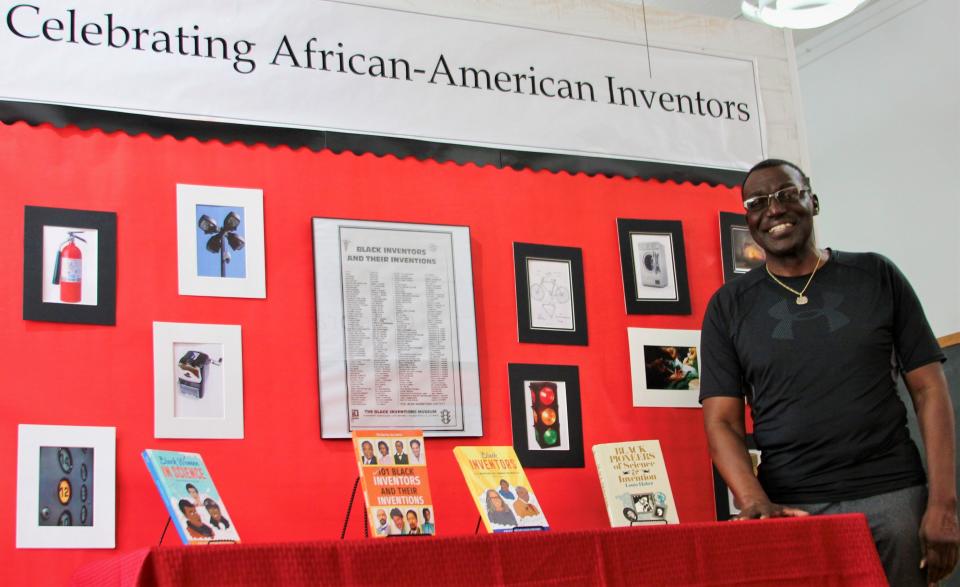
(68, 268)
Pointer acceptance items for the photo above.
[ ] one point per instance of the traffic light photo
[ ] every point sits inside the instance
(545, 405)
(546, 414)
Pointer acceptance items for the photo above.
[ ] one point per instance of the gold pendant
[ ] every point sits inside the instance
(802, 301)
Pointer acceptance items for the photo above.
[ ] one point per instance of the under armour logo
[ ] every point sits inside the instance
(781, 311)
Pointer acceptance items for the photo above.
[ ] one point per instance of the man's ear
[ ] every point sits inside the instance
(816, 205)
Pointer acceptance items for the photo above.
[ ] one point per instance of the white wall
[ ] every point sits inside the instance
(881, 101)
(625, 20)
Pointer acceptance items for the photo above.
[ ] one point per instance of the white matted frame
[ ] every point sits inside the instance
(167, 336)
(103, 441)
(647, 392)
(331, 247)
(253, 285)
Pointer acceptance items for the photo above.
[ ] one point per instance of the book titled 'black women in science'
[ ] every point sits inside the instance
(190, 497)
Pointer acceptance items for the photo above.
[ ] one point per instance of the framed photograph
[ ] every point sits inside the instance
(66, 486)
(69, 265)
(665, 367)
(220, 242)
(397, 335)
(551, 304)
(723, 497)
(654, 266)
(737, 248)
(197, 381)
(545, 411)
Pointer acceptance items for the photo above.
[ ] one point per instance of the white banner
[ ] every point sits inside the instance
(326, 65)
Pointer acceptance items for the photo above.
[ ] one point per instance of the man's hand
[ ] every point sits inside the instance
(939, 541)
(939, 534)
(767, 509)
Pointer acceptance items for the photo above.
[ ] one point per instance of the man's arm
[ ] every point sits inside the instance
(723, 420)
(939, 530)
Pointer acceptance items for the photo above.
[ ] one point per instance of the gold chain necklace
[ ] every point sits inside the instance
(801, 299)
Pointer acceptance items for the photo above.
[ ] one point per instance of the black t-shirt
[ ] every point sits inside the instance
(821, 378)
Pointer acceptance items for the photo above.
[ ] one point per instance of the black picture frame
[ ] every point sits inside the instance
(35, 218)
(721, 493)
(733, 233)
(668, 275)
(531, 295)
(567, 454)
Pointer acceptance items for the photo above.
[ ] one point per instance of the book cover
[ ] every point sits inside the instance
(499, 488)
(635, 484)
(396, 487)
(188, 492)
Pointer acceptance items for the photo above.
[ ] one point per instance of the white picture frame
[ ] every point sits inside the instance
(102, 444)
(662, 379)
(335, 242)
(193, 279)
(221, 382)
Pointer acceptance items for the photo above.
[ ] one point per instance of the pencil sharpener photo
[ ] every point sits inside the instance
(192, 372)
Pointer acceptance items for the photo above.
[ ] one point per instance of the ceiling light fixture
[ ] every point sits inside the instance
(798, 14)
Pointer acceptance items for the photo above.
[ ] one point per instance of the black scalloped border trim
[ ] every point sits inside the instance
(157, 126)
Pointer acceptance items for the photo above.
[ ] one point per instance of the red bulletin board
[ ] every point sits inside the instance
(282, 482)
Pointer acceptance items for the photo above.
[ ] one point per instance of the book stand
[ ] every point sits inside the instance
(346, 518)
(366, 522)
(164, 533)
(167, 525)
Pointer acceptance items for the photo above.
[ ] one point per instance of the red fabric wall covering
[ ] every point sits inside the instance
(283, 482)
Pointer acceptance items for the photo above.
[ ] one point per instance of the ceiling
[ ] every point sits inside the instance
(728, 9)
(725, 8)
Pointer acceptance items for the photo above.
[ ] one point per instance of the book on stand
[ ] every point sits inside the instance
(500, 489)
(396, 487)
(191, 498)
(635, 484)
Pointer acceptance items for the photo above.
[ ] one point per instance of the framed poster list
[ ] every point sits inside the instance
(396, 330)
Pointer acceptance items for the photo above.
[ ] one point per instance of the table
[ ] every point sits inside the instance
(822, 551)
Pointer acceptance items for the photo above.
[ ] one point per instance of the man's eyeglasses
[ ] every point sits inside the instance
(788, 195)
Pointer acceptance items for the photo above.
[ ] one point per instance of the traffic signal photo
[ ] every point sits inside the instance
(546, 413)
(545, 409)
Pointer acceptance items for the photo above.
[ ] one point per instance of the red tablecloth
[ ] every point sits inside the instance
(821, 551)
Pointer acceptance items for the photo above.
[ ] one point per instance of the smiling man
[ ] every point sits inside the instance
(814, 341)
